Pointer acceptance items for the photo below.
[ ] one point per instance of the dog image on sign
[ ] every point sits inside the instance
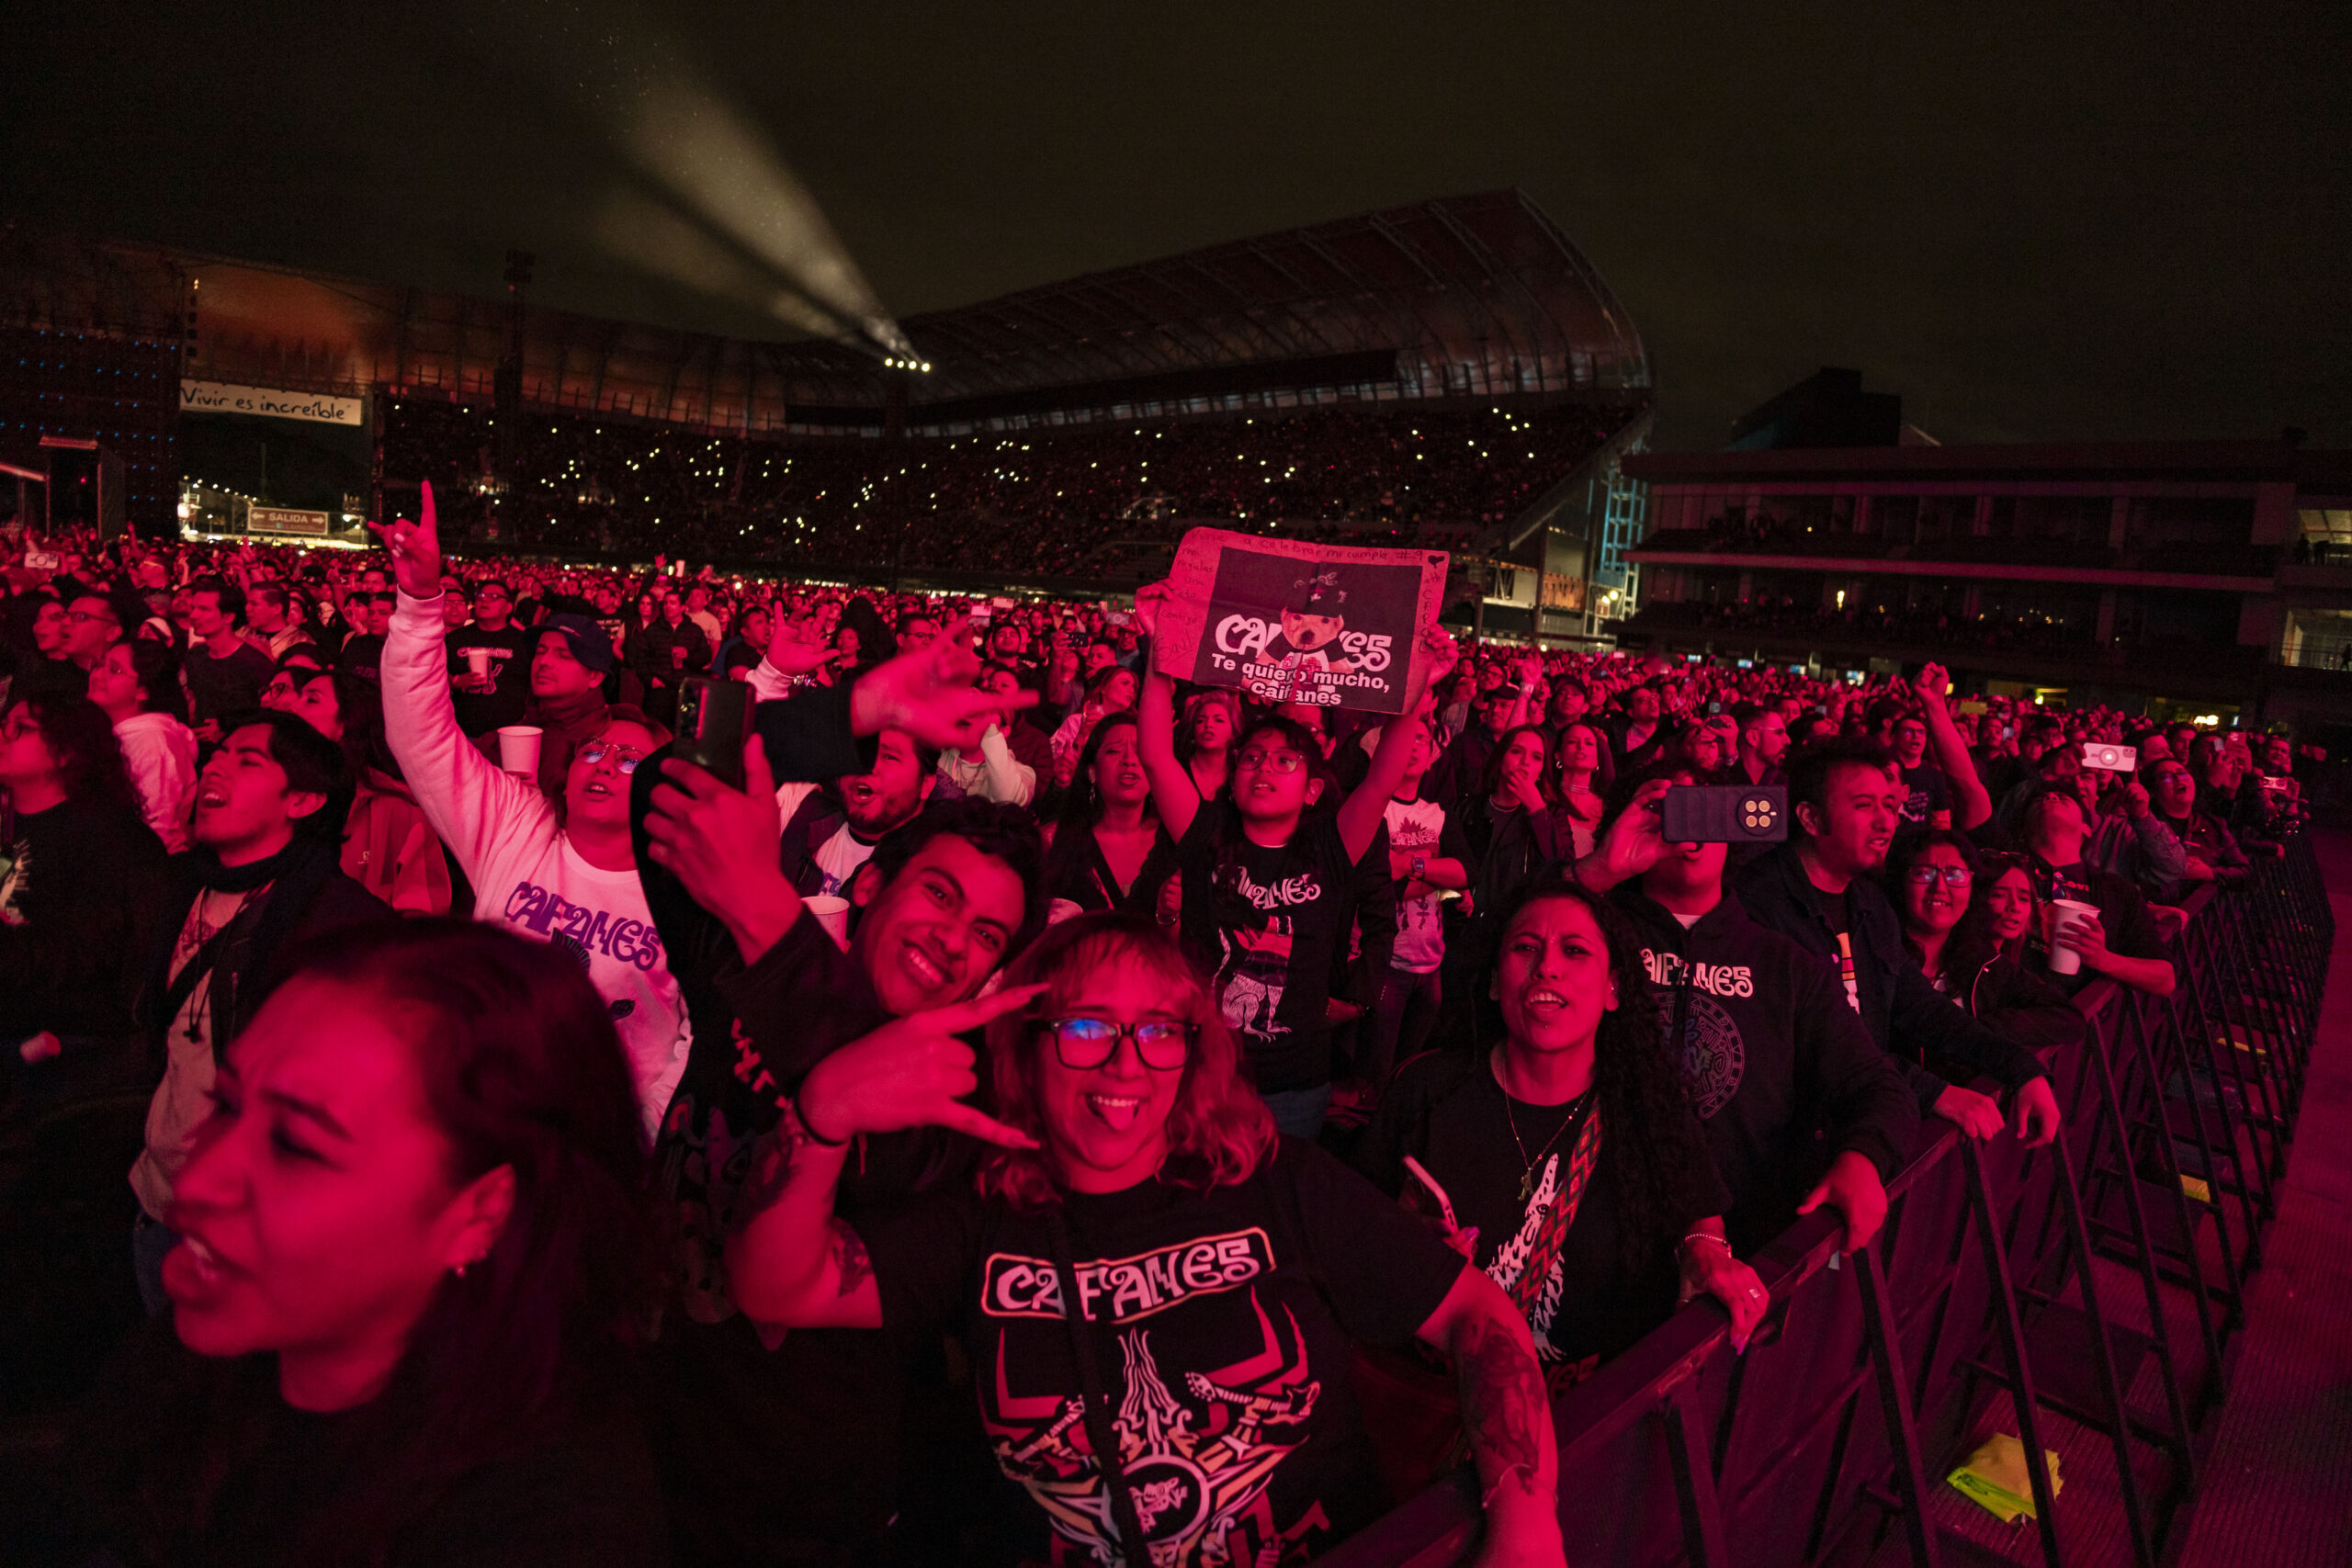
(1305, 631)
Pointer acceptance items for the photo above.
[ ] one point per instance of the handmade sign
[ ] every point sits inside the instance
(1329, 625)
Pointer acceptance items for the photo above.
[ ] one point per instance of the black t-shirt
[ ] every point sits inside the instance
(1447, 1111)
(1928, 792)
(362, 656)
(510, 673)
(1264, 923)
(1232, 1313)
(584, 1494)
(218, 687)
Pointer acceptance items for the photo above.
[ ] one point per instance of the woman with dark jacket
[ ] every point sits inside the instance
(80, 871)
(1515, 826)
(1946, 892)
(1109, 851)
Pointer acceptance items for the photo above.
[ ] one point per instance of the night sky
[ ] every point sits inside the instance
(2034, 222)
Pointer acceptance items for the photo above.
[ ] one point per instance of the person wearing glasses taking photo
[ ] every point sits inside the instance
(561, 870)
(1156, 1292)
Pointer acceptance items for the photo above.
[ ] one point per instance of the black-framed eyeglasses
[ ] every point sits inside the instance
(1950, 875)
(596, 752)
(1162, 1045)
(1274, 762)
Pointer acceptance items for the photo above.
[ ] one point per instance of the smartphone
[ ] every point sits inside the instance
(714, 720)
(1725, 814)
(2111, 759)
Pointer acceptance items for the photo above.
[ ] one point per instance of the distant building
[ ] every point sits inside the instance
(2215, 573)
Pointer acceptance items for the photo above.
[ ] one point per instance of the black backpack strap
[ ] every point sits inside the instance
(1096, 1403)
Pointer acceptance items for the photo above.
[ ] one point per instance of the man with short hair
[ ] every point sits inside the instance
(1768, 1044)
(485, 702)
(363, 652)
(569, 663)
(269, 618)
(941, 899)
(1763, 742)
(1820, 890)
(224, 673)
(92, 624)
(261, 878)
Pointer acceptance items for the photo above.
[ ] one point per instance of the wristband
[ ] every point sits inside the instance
(815, 1136)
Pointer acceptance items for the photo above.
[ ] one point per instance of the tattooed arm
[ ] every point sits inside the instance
(1507, 1414)
(789, 1260)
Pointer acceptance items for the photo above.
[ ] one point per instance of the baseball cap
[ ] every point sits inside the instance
(589, 644)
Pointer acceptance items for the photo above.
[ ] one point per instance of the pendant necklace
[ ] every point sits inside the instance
(1527, 1177)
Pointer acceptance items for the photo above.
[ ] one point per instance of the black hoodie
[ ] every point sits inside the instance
(1783, 1073)
(1903, 1011)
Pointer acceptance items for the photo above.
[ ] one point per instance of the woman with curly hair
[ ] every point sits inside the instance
(1155, 1290)
(1567, 1161)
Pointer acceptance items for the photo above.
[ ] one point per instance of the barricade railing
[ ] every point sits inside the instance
(2007, 1284)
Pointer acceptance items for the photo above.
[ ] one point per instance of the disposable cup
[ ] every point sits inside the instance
(478, 662)
(833, 915)
(518, 749)
(2065, 913)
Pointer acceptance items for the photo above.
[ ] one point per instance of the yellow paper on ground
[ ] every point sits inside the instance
(1994, 1477)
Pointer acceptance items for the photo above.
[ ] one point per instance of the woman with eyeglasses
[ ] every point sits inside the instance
(561, 871)
(1965, 916)
(1158, 1295)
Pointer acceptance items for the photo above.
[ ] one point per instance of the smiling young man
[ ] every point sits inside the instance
(1820, 890)
(942, 897)
(560, 871)
(261, 877)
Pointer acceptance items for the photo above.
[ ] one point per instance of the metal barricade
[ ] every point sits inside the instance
(2008, 1284)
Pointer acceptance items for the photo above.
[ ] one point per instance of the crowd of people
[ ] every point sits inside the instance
(1019, 1107)
(1041, 500)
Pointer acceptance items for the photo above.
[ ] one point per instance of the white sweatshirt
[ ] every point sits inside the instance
(161, 753)
(525, 871)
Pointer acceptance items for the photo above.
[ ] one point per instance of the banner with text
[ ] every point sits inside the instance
(1329, 625)
(223, 397)
(285, 520)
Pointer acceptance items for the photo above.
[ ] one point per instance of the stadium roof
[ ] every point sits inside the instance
(1476, 295)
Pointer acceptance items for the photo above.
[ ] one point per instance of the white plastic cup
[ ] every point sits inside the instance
(477, 663)
(518, 749)
(833, 914)
(2065, 913)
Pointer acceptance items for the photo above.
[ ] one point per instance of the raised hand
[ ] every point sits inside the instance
(416, 549)
(797, 647)
(1930, 682)
(720, 843)
(928, 694)
(1439, 654)
(912, 1072)
(1149, 599)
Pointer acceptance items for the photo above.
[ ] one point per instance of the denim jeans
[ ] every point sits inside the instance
(1299, 1111)
(150, 1239)
(1402, 1017)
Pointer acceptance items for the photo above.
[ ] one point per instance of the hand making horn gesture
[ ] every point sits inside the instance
(912, 1072)
(416, 549)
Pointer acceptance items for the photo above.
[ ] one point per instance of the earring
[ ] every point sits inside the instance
(459, 1270)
